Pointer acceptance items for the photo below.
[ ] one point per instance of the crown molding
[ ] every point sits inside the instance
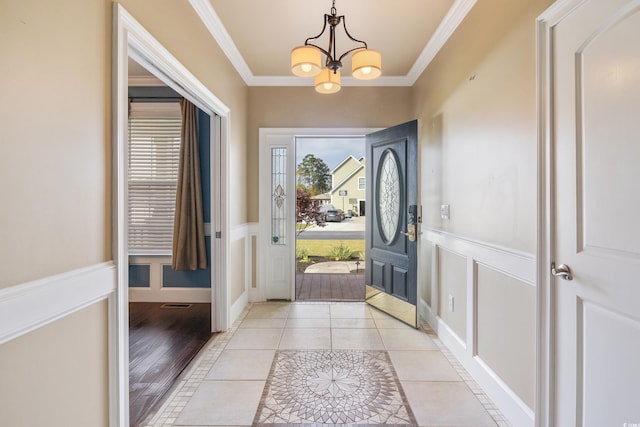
(345, 81)
(449, 24)
(216, 28)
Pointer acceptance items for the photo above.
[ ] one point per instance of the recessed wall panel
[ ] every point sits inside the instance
(452, 282)
(506, 325)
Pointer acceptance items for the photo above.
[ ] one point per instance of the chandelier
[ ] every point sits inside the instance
(306, 59)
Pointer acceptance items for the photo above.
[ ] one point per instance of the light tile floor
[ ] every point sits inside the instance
(234, 379)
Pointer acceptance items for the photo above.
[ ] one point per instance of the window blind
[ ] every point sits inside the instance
(154, 154)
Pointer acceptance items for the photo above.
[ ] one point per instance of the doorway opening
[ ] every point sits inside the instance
(169, 310)
(132, 41)
(330, 227)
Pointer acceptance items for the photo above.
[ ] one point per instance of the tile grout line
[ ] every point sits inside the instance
(194, 375)
(493, 411)
(196, 372)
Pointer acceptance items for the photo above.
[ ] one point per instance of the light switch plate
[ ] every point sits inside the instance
(444, 211)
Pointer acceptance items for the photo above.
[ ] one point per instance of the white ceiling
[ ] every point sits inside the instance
(257, 35)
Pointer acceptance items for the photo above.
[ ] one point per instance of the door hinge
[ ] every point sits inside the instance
(218, 234)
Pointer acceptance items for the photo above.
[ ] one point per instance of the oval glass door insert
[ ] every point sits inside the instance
(389, 196)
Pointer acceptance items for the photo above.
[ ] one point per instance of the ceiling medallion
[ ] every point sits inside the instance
(366, 64)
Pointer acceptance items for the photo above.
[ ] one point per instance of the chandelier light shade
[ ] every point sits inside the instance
(366, 64)
(328, 81)
(306, 60)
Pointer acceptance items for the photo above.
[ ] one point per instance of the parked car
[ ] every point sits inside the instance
(334, 216)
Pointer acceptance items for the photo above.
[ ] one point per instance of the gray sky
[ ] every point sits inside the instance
(331, 150)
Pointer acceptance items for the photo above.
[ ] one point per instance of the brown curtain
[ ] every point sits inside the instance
(189, 251)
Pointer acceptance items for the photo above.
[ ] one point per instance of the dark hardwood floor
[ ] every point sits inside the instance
(329, 287)
(162, 342)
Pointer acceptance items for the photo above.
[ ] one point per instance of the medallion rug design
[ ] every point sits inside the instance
(333, 387)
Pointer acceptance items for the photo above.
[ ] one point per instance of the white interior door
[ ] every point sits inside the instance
(596, 110)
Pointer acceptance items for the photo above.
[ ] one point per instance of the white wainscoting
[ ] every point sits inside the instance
(239, 232)
(156, 292)
(32, 305)
(519, 265)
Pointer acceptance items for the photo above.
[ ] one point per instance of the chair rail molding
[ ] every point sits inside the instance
(32, 305)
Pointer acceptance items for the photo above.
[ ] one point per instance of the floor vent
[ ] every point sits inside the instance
(174, 305)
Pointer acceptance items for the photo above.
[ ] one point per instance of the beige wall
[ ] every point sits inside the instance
(477, 104)
(300, 107)
(54, 136)
(55, 148)
(57, 375)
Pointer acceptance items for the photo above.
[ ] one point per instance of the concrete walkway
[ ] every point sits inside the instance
(336, 267)
(357, 223)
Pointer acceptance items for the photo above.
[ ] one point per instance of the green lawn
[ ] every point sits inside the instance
(324, 247)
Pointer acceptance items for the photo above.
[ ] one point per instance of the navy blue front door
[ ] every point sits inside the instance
(392, 220)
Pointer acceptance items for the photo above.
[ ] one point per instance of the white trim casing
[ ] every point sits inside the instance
(545, 366)
(32, 305)
(516, 264)
(287, 137)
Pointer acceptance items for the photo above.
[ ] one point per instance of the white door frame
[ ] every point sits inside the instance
(287, 136)
(130, 39)
(545, 324)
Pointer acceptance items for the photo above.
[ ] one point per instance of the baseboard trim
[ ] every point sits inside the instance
(192, 295)
(427, 314)
(32, 305)
(238, 307)
(511, 406)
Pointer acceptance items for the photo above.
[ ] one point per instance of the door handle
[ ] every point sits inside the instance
(411, 232)
(563, 271)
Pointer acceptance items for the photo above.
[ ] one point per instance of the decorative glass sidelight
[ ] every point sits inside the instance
(278, 196)
(389, 196)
